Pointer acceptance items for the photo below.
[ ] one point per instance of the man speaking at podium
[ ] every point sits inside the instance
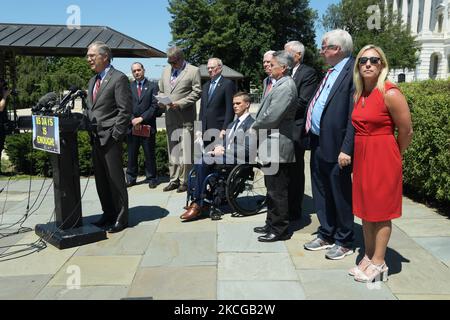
(109, 111)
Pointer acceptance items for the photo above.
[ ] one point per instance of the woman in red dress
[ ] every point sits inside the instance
(380, 108)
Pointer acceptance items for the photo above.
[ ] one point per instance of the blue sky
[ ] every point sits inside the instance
(147, 21)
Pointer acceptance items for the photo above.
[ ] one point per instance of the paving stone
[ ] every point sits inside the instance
(44, 262)
(174, 224)
(418, 273)
(234, 237)
(181, 249)
(131, 241)
(414, 210)
(260, 290)
(99, 271)
(258, 219)
(84, 293)
(256, 266)
(424, 227)
(176, 203)
(175, 283)
(22, 287)
(439, 247)
(338, 285)
(8, 239)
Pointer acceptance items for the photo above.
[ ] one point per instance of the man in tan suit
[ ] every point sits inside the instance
(181, 82)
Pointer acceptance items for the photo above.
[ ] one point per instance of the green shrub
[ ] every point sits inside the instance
(27, 160)
(427, 160)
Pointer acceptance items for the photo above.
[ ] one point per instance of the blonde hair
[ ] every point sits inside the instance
(382, 77)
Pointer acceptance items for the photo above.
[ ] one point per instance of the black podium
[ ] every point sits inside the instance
(68, 230)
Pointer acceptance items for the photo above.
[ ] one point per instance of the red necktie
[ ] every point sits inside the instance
(313, 101)
(139, 89)
(269, 87)
(97, 87)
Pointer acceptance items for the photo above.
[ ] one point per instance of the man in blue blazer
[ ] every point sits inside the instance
(216, 107)
(145, 106)
(236, 143)
(330, 132)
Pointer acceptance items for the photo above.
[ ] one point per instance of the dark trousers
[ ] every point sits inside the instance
(332, 193)
(148, 145)
(277, 199)
(297, 184)
(2, 143)
(110, 180)
(201, 171)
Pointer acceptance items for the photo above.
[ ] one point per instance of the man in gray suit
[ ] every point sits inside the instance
(181, 82)
(109, 112)
(277, 114)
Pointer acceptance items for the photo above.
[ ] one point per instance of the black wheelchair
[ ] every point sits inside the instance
(240, 186)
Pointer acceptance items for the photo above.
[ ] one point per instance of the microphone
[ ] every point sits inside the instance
(79, 94)
(68, 96)
(49, 98)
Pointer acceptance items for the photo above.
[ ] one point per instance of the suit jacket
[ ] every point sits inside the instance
(336, 129)
(111, 112)
(146, 105)
(217, 112)
(265, 86)
(305, 79)
(185, 93)
(277, 111)
(243, 141)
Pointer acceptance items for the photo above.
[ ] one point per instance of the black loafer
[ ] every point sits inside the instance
(272, 237)
(102, 222)
(131, 183)
(152, 184)
(263, 230)
(171, 186)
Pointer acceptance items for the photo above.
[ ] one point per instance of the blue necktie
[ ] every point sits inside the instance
(211, 89)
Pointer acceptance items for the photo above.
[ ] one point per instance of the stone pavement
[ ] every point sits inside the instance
(159, 257)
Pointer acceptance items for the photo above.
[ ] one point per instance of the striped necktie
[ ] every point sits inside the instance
(313, 101)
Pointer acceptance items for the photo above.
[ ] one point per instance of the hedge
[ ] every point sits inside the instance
(26, 160)
(427, 160)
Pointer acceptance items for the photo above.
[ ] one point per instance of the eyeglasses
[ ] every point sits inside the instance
(331, 46)
(373, 60)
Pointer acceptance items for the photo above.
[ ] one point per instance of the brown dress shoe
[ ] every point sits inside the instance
(192, 213)
(186, 208)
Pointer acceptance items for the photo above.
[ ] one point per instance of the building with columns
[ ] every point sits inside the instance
(429, 21)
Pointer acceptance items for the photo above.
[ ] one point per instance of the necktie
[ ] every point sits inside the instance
(96, 87)
(173, 78)
(211, 89)
(269, 86)
(313, 101)
(139, 89)
(233, 132)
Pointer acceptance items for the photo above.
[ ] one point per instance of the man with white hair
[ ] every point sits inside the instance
(216, 107)
(330, 132)
(269, 81)
(305, 79)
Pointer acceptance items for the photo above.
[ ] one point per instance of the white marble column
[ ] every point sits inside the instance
(405, 12)
(426, 16)
(415, 17)
(395, 7)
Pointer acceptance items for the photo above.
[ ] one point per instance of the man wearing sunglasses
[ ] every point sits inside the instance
(329, 129)
(181, 82)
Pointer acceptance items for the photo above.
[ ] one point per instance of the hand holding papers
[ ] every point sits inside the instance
(165, 100)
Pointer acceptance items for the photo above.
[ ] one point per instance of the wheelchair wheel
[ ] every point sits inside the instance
(246, 191)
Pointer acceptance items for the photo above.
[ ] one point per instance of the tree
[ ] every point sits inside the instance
(393, 37)
(37, 76)
(240, 32)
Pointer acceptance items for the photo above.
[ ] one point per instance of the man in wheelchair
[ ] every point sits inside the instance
(222, 157)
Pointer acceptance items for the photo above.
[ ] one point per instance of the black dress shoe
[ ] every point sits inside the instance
(171, 186)
(263, 230)
(117, 227)
(131, 183)
(272, 237)
(152, 184)
(102, 222)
